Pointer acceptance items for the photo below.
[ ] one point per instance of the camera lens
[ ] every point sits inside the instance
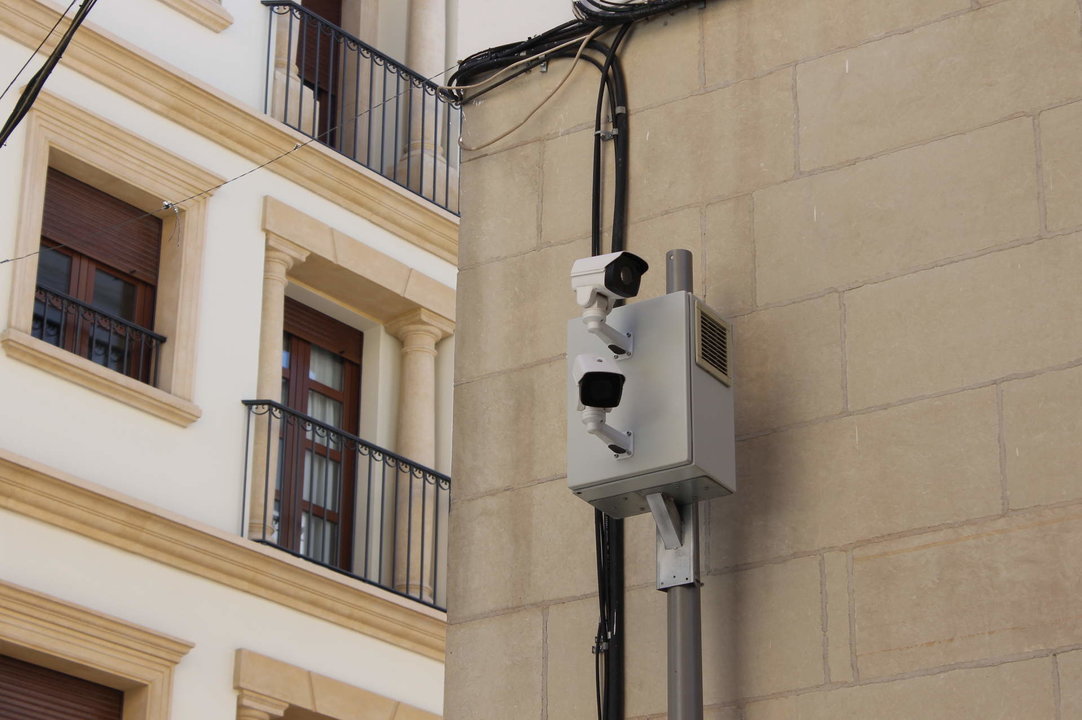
(626, 275)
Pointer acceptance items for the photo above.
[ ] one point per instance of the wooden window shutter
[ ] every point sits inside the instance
(102, 227)
(31, 692)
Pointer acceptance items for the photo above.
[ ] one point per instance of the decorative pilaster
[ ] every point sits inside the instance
(415, 508)
(280, 256)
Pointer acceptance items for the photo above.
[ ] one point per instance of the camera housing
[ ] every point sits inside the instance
(600, 381)
(613, 275)
(599, 281)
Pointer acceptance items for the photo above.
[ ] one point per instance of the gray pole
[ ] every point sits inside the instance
(685, 646)
(678, 273)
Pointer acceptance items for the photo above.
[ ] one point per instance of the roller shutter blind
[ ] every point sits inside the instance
(328, 333)
(31, 692)
(102, 227)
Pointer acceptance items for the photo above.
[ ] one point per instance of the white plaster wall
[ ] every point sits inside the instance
(217, 619)
(195, 471)
(481, 24)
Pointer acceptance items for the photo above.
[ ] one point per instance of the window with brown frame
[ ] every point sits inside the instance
(31, 692)
(321, 367)
(97, 275)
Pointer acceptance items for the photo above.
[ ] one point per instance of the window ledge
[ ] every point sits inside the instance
(208, 13)
(81, 371)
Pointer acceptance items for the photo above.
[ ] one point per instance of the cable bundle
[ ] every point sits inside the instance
(608, 12)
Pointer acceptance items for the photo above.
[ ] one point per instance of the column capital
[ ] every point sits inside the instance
(253, 705)
(284, 251)
(421, 321)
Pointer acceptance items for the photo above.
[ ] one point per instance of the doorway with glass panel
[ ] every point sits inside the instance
(315, 492)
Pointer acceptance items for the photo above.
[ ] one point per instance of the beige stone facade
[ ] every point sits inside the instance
(884, 199)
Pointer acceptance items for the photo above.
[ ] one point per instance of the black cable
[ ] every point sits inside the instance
(30, 93)
(40, 45)
(614, 89)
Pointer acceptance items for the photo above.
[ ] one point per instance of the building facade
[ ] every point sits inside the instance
(227, 294)
(883, 199)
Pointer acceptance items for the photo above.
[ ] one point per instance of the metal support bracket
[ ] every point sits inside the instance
(667, 519)
(678, 565)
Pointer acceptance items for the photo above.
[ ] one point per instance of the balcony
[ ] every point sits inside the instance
(336, 500)
(101, 337)
(331, 86)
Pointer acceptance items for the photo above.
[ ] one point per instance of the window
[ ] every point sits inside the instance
(96, 311)
(321, 368)
(96, 287)
(30, 692)
(77, 643)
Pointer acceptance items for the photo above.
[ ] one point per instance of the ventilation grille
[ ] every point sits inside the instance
(712, 344)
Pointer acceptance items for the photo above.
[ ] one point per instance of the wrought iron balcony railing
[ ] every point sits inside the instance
(116, 343)
(332, 498)
(332, 86)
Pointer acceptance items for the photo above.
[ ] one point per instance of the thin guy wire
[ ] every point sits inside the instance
(38, 48)
(173, 205)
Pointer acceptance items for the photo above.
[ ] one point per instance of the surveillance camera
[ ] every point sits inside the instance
(601, 385)
(600, 381)
(614, 275)
(598, 282)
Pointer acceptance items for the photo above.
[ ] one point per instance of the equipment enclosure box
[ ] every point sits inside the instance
(677, 402)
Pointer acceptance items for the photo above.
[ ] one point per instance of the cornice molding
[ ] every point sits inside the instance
(46, 494)
(138, 76)
(208, 13)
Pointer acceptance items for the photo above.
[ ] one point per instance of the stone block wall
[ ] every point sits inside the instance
(886, 200)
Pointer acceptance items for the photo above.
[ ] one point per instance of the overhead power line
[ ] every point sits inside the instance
(38, 48)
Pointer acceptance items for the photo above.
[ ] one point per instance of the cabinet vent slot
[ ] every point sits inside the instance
(712, 344)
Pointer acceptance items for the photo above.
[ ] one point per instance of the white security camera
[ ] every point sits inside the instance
(601, 385)
(600, 381)
(600, 281)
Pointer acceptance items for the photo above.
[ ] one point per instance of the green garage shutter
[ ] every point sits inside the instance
(31, 692)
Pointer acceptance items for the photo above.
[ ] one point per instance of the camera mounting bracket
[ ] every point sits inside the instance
(620, 442)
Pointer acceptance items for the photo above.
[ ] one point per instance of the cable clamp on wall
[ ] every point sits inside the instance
(607, 134)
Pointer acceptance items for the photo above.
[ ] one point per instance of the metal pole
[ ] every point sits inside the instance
(685, 657)
(678, 272)
(685, 645)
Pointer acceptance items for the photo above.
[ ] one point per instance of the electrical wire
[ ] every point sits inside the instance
(541, 104)
(501, 71)
(38, 48)
(167, 206)
(37, 82)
